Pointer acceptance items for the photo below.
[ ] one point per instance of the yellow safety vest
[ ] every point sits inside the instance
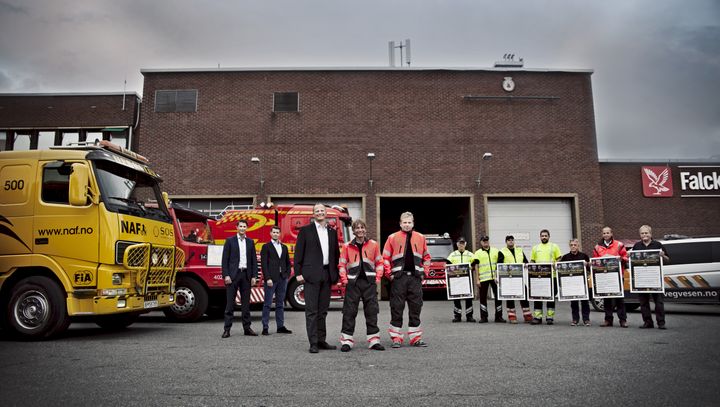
(488, 263)
(458, 258)
(510, 257)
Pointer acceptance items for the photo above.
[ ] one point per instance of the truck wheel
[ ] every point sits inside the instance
(191, 301)
(597, 304)
(37, 309)
(296, 295)
(115, 322)
(631, 307)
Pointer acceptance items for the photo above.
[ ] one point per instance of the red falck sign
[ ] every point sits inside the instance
(657, 182)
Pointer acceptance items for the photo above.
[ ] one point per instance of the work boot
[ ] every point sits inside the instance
(500, 319)
(345, 348)
(549, 321)
(536, 321)
(527, 315)
(457, 318)
(483, 320)
(470, 319)
(377, 346)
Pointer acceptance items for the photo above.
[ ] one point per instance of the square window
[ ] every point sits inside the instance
(286, 102)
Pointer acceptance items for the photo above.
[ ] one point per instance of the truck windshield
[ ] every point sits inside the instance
(440, 250)
(128, 191)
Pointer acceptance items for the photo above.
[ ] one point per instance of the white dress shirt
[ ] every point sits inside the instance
(243, 252)
(278, 247)
(324, 242)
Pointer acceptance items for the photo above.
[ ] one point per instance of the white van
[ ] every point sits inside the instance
(693, 273)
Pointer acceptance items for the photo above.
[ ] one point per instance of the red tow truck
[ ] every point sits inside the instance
(200, 288)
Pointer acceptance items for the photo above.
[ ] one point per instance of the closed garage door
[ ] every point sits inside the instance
(525, 218)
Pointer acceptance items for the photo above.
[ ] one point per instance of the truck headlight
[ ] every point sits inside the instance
(154, 259)
(165, 259)
(117, 279)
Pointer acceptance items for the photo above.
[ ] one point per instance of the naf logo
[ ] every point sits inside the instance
(134, 228)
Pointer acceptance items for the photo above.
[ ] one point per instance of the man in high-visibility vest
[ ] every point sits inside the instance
(407, 260)
(361, 268)
(545, 252)
(512, 254)
(487, 258)
(461, 256)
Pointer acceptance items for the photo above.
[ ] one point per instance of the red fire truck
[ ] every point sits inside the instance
(200, 288)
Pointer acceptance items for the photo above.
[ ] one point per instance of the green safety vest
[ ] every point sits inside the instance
(457, 258)
(488, 263)
(510, 257)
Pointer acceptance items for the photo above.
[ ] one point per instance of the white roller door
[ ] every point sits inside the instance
(525, 218)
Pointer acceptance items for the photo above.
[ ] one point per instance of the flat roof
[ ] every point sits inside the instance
(130, 93)
(371, 68)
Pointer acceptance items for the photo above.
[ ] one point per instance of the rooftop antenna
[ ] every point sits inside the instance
(391, 52)
(124, 90)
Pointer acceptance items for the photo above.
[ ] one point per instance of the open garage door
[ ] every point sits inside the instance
(525, 218)
(433, 215)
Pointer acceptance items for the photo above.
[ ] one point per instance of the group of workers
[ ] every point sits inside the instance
(404, 260)
(486, 259)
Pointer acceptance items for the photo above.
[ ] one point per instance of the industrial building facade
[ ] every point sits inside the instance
(469, 151)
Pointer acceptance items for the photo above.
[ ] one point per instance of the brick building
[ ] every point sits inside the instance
(40, 120)
(469, 151)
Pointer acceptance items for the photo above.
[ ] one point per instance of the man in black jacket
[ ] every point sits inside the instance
(239, 270)
(275, 263)
(316, 264)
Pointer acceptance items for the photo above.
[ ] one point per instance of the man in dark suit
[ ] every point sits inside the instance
(316, 264)
(275, 263)
(239, 270)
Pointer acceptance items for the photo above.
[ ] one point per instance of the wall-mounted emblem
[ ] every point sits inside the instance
(508, 84)
(657, 182)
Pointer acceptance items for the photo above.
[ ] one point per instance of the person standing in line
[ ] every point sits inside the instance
(460, 256)
(545, 252)
(648, 243)
(406, 261)
(574, 255)
(239, 271)
(275, 263)
(487, 258)
(512, 254)
(607, 246)
(361, 268)
(316, 259)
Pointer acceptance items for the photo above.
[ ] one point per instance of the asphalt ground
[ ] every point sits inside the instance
(159, 363)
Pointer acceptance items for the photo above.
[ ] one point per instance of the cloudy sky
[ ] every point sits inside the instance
(656, 63)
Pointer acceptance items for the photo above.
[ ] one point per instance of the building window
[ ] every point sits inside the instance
(170, 101)
(3, 141)
(68, 138)
(286, 102)
(46, 139)
(93, 136)
(119, 139)
(21, 141)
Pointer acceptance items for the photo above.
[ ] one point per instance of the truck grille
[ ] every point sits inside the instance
(155, 266)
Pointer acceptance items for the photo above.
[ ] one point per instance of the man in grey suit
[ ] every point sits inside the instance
(275, 263)
(316, 264)
(239, 270)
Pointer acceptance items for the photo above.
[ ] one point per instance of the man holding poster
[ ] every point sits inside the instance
(607, 246)
(545, 252)
(576, 255)
(512, 254)
(460, 256)
(648, 243)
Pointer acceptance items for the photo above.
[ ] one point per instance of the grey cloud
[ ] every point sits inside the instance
(6, 7)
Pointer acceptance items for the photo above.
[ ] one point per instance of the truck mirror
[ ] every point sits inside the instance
(166, 198)
(79, 179)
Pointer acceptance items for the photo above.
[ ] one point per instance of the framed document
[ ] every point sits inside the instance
(511, 281)
(214, 255)
(571, 280)
(459, 283)
(646, 271)
(540, 282)
(607, 277)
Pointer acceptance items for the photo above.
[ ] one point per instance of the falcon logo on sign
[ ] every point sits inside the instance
(657, 182)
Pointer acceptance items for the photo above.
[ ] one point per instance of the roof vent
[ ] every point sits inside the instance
(509, 62)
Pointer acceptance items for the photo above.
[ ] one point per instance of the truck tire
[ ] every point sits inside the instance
(37, 309)
(631, 307)
(116, 322)
(597, 304)
(296, 295)
(191, 301)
